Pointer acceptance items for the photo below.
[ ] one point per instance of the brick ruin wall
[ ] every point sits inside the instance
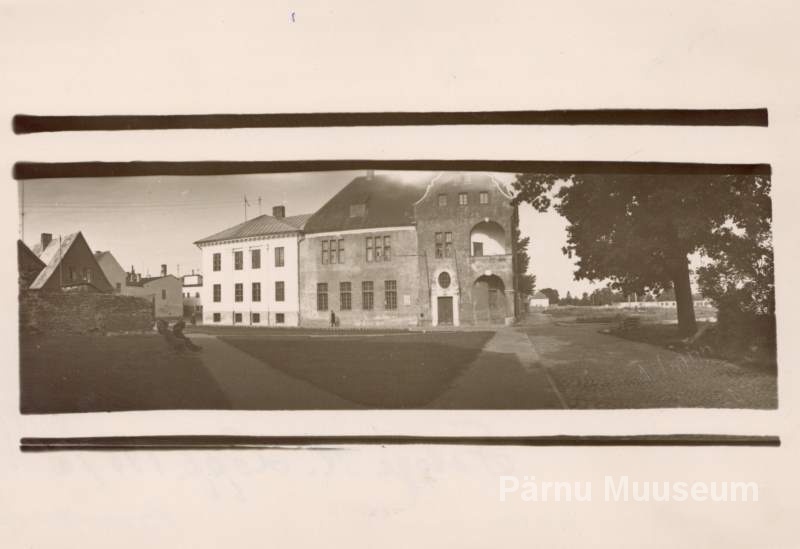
(83, 312)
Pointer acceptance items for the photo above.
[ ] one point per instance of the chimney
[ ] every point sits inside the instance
(163, 270)
(370, 174)
(46, 239)
(279, 211)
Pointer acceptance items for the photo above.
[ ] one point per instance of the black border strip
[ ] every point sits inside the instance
(42, 170)
(28, 123)
(225, 442)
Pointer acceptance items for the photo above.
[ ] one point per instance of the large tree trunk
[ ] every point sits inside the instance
(687, 325)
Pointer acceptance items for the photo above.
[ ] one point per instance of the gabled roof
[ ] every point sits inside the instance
(23, 252)
(51, 256)
(263, 225)
(149, 279)
(388, 202)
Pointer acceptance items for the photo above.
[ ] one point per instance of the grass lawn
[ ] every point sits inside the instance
(763, 357)
(385, 371)
(94, 373)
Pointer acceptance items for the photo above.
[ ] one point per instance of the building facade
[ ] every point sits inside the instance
(465, 225)
(192, 300)
(165, 292)
(250, 272)
(388, 252)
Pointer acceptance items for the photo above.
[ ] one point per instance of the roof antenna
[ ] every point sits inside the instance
(259, 205)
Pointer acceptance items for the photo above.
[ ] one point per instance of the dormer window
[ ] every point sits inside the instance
(358, 210)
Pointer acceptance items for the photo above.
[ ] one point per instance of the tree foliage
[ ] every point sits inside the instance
(638, 230)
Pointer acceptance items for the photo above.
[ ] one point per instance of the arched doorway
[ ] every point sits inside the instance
(487, 238)
(489, 299)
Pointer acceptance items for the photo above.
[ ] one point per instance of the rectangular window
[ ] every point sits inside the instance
(256, 291)
(279, 318)
(197, 294)
(163, 294)
(322, 296)
(238, 260)
(367, 295)
(279, 256)
(340, 251)
(463, 199)
(119, 287)
(439, 245)
(477, 249)
(378, 249)
(256, 318)
(255, 259)
(345, 296)
(279, 290)
(324, 252)
(390, 295)
(237, 318)
(217, 293)
(484, 197)
(217, 259)
(387, 248)
(442, 200)
(238, 292)
(448, 244)
(217, 317)
(369, 248)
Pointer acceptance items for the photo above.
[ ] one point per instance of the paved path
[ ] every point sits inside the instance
(507, 374)
(249, 384)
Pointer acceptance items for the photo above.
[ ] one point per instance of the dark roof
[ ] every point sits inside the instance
(146, 280)
(389, 202)
(24, 252)
(262, 225)
(51, 256)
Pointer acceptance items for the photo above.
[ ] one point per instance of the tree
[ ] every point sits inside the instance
(638, 230)
(526, 283)
(552, 295)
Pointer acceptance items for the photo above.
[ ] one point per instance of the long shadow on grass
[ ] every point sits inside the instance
(62, 373)
(380, 372)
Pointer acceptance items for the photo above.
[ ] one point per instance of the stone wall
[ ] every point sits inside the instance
(82, 312)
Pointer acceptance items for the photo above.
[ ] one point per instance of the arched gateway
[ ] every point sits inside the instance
(489, 300)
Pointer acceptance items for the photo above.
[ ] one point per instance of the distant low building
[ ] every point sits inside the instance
(192, 295)
(166, 292)
(69, 264)
(538, 300)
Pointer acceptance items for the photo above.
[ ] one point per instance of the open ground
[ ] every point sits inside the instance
(545, 362)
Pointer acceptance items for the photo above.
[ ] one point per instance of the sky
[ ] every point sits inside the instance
(149, 221)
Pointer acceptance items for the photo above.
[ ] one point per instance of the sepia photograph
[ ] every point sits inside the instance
(388, 289)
